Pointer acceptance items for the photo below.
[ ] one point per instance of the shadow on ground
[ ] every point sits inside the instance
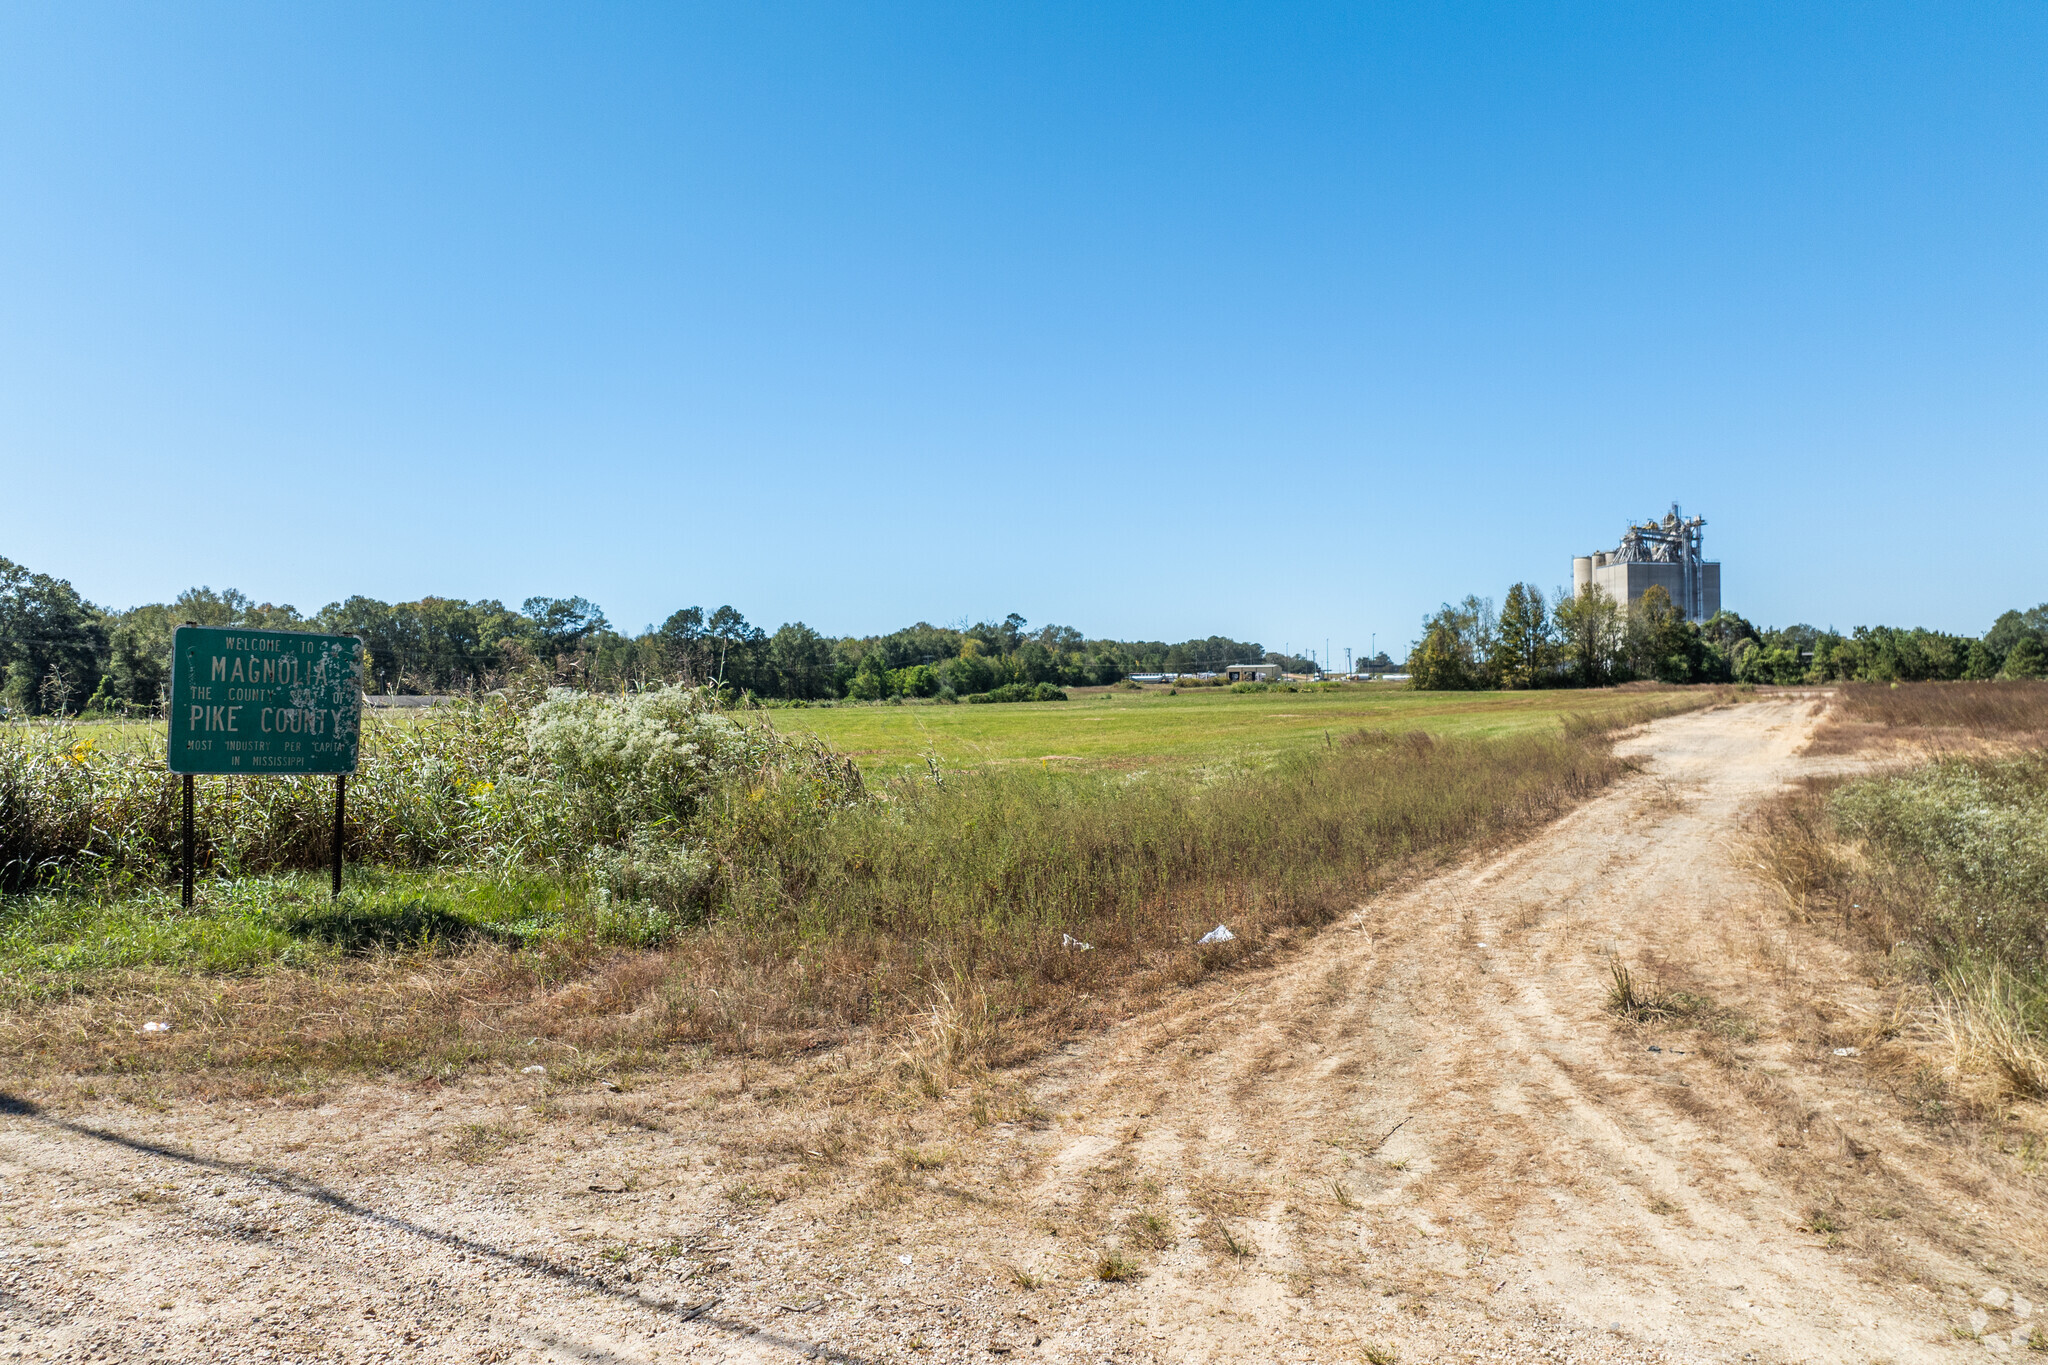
(15, 1106)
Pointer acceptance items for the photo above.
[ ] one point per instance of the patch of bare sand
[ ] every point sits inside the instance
(1419, 1137)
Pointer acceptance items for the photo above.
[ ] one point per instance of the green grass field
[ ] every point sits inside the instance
(1118, 729)
(1111, 728)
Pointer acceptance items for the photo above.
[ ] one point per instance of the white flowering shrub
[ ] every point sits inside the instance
(649, 760)
(666, 875)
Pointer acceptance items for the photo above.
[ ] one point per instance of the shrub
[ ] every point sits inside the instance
(668, 875)
(1020, 692)
(915, 681)
(647, 758)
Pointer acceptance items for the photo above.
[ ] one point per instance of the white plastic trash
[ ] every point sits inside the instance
(1069, 941)
(153, 1026)
(533, 1071)
(1217, 935)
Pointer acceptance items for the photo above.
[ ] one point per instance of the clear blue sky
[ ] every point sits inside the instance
(1287, 322)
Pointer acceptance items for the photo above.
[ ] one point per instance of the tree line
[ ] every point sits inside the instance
(1589, 640)
(61, 653)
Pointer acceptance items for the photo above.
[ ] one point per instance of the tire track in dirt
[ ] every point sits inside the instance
(1553, 1179)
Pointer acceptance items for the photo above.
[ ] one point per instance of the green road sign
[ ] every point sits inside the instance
(264, 701)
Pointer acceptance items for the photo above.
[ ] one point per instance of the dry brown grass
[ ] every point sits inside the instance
(1935, 716)
(1994, 1050)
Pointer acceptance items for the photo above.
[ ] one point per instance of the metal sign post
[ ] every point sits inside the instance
(340, 804)
(253, 703)
(188, 841)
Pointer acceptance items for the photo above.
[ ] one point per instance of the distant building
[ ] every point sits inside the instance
(1656, 554)
(1252, 672)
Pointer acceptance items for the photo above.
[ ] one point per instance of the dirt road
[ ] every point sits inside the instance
(1421, 1136)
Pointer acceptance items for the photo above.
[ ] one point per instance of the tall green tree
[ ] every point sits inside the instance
(52, 642)
(1524, 648)
(801, 660)
(139, 656)
(561, 624)
(1589, 629)
(742, 651)
(2027, 659)
(1457, 647)
(233, 607)
(683, 645)
(1659, 642)
(1439, 663)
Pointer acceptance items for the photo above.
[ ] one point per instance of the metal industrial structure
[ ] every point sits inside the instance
(1664, 554)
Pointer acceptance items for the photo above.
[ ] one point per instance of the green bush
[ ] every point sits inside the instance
(915, 681)
(1020, 692)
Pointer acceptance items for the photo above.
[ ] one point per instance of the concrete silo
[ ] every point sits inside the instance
(1664, 554)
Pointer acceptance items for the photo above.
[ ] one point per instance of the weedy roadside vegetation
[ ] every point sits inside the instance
(1941, 870)
(1942, 716)
(591, 883)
